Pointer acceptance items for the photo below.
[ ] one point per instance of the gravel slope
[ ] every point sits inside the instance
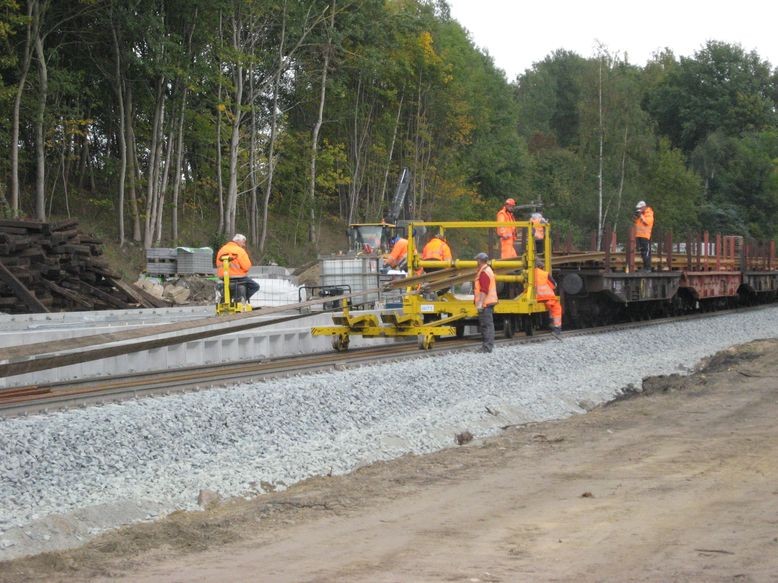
(69, 475)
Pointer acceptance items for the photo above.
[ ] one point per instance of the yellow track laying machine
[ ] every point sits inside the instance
(438, 296)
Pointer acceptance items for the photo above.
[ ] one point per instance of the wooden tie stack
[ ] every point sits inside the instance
(52, 267)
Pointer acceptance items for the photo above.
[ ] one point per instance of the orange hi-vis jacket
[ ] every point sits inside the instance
(544, 292)
(538, 229)
(503, 216)
(239, 260)
(436, 249)
(507, 234)
(490, 291)
(644, 223)
(544, 288)
(398, 253)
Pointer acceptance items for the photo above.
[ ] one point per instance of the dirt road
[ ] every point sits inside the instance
(679, 483)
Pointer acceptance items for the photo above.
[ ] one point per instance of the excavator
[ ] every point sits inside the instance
(373, 238)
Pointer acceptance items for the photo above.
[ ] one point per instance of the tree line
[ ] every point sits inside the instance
(240, 113)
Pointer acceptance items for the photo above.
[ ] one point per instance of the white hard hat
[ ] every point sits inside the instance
(640, 204)
(537, 216)
(238, 238)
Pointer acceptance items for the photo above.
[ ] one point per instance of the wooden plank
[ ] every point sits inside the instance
(141, 296)
(74, 297)
(100, 294)
(21, 291)
(61, 225)
(10, 225)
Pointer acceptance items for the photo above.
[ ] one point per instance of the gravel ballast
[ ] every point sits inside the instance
(99, 467)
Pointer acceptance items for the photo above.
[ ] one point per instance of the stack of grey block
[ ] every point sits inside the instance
(160, 261)
(180, 260)
(190, 260)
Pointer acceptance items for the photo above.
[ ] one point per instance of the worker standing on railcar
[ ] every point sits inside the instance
(506, 234)
(485, 288)
(545, 287)
(643, 218)
(398, 256)
(240, 263)
(538, 232)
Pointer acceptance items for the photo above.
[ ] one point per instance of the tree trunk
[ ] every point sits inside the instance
(273, 130)
(237, 112)
(600, 189)
(171, 146)
(152, 173)
(317, 127)
(40, 144)
(177, 168)
(33, 25)
(132, 167)
(122, 138)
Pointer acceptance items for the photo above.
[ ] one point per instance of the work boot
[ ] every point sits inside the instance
(556, 331)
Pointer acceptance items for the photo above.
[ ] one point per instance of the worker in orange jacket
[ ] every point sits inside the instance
(506, 234)
(643, 218)
(544, 292)
(398, 256)
(240, 263)
(437, 249)
(538, 232)
(485, 297)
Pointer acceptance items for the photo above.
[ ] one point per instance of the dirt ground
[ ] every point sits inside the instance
(676, 483)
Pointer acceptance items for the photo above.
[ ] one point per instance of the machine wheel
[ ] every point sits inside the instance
(529, 330)
(508, 326)
(340, 342)
(425, 341)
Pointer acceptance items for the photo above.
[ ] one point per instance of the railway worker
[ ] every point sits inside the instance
(485, 297)
(436, 249)
(507, 235)
(538, 232)
(239, 265)
(643, 218)
(544, 292)
(397, 258)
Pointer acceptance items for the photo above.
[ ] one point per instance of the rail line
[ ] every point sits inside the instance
(41, 398)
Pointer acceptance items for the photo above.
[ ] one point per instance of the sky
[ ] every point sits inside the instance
(519, 33)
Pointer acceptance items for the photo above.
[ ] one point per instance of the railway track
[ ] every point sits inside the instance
(46, 397)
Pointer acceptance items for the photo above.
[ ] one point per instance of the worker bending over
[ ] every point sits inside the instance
(398, 257)
(544, 292)
(239, 265)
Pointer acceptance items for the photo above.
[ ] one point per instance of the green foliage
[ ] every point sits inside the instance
(405, 87)
(722, 88)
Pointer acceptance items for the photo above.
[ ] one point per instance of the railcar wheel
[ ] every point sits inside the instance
(425, 341)
(340, 342)
(529, 329)
(508, 326)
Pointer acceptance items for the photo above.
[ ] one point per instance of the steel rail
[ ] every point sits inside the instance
(36, 398)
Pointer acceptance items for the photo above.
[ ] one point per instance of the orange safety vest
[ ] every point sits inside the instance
(644, 222)
(544, 288)
(437, 250)
(491, 292)
(538, 229)
(399, 252)
(503, 216)
(239, 260)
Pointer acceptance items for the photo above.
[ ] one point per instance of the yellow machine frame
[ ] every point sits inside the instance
(444, 315)
(227, 305)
